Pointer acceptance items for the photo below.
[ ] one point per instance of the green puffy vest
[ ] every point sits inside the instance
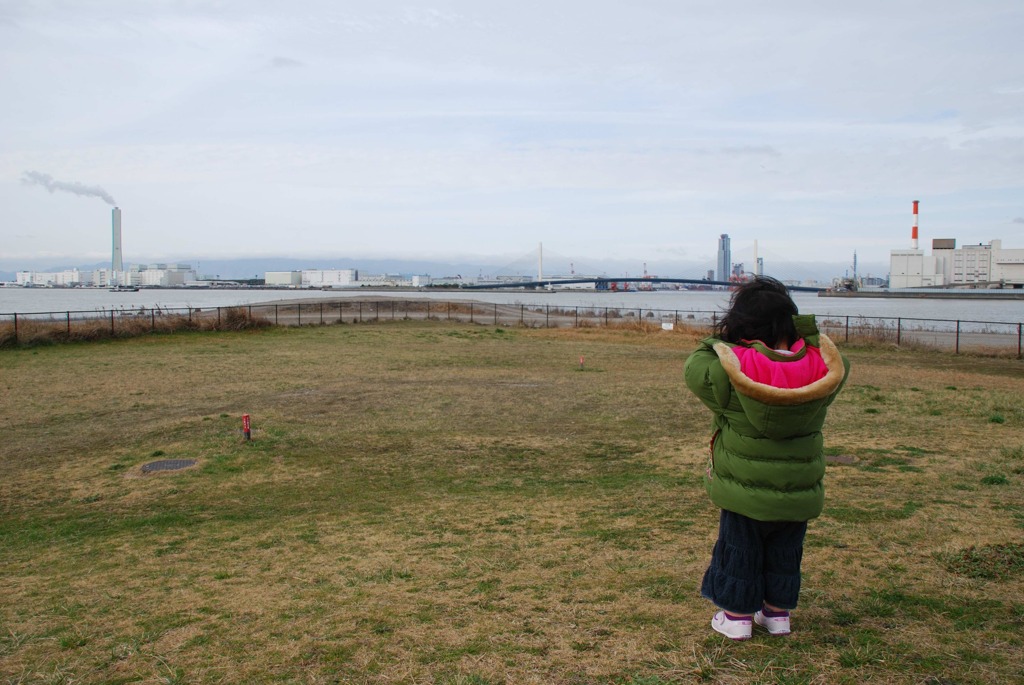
(767, 458)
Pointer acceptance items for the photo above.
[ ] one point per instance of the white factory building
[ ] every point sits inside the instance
(283, 279)
(69, 278)
(313, 278)
(982, 266)
(145, 275)
(341, 278)
(330, 278)
(159, 275)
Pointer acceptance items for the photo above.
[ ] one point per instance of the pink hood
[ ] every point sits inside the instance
(803, 367)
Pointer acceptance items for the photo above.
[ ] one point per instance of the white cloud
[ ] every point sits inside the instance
(482, 127)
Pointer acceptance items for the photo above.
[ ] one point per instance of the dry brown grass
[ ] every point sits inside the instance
(426, 502)
(35, 332)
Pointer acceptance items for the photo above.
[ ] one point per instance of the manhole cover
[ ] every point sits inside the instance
(168, 465)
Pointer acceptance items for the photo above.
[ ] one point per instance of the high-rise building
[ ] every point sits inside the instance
(724, 258)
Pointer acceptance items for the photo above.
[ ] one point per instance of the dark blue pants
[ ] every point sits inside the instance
(755, 562)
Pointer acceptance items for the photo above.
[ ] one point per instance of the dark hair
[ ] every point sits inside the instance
(760, 309)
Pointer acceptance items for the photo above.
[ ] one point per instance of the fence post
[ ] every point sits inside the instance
(321, 313)
(847, 329)
(495, 313)
(69, 331)
(958, 336)
(576, 324)
(111, 321)
(522, 310)
(547, 316)
(275, 315)
(1018, 342)
(448, 308)
(606, 317)
(152, 315)
(300, 313)
(218, 318)
(899, 331)
(392, 310)
(16, 328)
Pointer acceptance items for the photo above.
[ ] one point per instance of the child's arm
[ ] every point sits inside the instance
(706, 379)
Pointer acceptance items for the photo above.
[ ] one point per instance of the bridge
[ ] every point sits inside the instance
(603, 283)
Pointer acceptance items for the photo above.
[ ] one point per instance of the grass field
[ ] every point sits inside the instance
(426, 502)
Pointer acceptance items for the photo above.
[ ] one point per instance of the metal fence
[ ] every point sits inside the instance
(998, 337)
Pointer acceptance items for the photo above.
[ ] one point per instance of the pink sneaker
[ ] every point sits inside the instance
(734, 629)
(776, 625)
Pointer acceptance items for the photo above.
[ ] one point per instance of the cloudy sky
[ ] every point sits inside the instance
(638, 130)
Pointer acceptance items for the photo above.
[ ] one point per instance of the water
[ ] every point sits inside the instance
(32, 300)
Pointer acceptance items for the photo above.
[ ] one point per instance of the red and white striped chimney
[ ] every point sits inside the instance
(913, 233)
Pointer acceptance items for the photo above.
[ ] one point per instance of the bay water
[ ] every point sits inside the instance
(25, 301)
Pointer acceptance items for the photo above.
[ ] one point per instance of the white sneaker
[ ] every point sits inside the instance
(740, 629)
(776, 625)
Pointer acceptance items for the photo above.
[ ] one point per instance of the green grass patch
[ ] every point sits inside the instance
(847, 514)
(993, 562)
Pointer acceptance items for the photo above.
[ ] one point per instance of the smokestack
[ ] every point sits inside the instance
(115, 262)
(913, 233)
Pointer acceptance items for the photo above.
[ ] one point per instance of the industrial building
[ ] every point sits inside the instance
(341, 278)
(313, 278)
(394, 281)
(283, 279)
(330, 278)
(977, 266)
(159, 275)
(980, 266)
(68, 278)
(146, 275)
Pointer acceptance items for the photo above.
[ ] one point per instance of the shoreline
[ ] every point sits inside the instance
(960, 295)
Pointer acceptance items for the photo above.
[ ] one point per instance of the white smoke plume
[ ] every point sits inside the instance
(53, 185)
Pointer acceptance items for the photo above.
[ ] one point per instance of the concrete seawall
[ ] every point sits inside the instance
(951, 295)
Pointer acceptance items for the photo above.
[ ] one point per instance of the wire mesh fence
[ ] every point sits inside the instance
(17, 329)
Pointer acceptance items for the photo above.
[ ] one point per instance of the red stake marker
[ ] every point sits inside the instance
(245, 427)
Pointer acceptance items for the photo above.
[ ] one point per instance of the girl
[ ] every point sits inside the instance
(768, 377)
